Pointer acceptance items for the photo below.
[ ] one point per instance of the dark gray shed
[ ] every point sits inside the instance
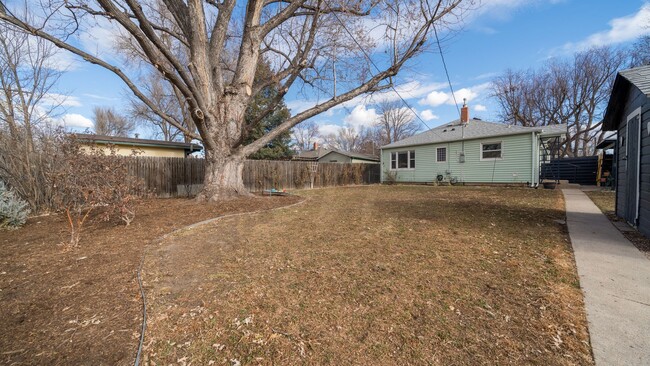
(628, 113)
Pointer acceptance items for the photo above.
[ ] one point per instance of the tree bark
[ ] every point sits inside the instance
(223, 179)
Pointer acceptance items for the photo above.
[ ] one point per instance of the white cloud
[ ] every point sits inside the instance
(437, 98)
(503, 9)
(100, 37)
(62, 61)
(464, 94)
(54, 99)
(428, 115)
(76, 120)
(100, 97)
(408, 90)
(487, 75)
(361, 117)
(480, 108)
(620, 30)
(328, 129)
(299, 105)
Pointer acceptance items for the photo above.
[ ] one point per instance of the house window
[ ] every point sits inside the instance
(402, 160)
(441, 154)
(491, 150)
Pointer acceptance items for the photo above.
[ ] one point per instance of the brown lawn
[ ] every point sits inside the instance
(398, 275)
(605, 200)
(83, 306)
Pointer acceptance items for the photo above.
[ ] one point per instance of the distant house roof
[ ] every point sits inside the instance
(474, 129)
(103, 139)
(321, 152)
(640, 78)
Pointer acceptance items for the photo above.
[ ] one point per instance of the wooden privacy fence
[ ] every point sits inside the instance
(173, 177)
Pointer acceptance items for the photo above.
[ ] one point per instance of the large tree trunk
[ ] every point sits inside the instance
(223, 179)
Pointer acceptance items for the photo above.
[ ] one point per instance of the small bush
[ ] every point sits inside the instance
(92, 183)
(390, 177)
(13, 210)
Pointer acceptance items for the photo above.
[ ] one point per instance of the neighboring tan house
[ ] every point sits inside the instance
(322, 155)
(471, 151)
(628, 113)
(126, 145)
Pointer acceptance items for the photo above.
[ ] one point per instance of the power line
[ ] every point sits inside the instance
(444, 64)
(375, 65)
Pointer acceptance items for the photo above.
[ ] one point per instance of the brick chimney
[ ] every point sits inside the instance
(315, 146)
(464, 112)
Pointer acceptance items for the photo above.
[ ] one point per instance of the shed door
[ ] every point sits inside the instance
(632, 183)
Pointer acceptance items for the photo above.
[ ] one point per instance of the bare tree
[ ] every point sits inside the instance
(303, 39)
(349, 139)
(109, 122)
(168, 99)
(396, 122)
(27, 111)
(573, 92)
(164, 94)
(305, 135)
(641, 52)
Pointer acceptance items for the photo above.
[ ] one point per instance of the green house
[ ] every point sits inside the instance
(471, 151)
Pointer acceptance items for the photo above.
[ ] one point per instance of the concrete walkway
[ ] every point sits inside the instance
(615, 280)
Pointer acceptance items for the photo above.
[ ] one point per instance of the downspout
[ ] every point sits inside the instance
(381, 165)
(638, 171)
(535, 146)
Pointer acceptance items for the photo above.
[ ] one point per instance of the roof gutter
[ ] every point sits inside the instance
(462, 139)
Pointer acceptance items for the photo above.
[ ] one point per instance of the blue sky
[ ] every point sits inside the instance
(501, 34)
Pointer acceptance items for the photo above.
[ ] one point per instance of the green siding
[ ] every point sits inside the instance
(335, 157)
(514, 167)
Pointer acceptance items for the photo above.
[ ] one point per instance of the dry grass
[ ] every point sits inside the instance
(83, 306)
(373, 275)
(605, 200)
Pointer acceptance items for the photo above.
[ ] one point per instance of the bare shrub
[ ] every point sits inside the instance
(92, 183)
(390, 177)
(357, 174)
(301, 177)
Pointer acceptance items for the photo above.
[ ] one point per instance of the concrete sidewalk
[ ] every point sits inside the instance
(615, 280)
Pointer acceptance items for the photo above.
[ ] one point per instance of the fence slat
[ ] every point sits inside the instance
(174, 177)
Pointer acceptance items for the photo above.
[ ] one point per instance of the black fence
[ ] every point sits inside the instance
(583, 170)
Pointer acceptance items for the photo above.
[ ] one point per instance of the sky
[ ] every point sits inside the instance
(499, 35)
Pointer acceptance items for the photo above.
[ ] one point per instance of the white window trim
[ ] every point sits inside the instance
(441, 161)
(489, 143)
(408, 160)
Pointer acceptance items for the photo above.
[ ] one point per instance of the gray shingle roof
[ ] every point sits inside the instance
(453, 131)
(640, 77)
(104, 139)
(320, 152)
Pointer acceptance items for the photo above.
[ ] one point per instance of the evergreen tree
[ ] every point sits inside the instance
(278, 148)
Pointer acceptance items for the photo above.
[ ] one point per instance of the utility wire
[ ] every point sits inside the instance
(375, 65)
(444, 64)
